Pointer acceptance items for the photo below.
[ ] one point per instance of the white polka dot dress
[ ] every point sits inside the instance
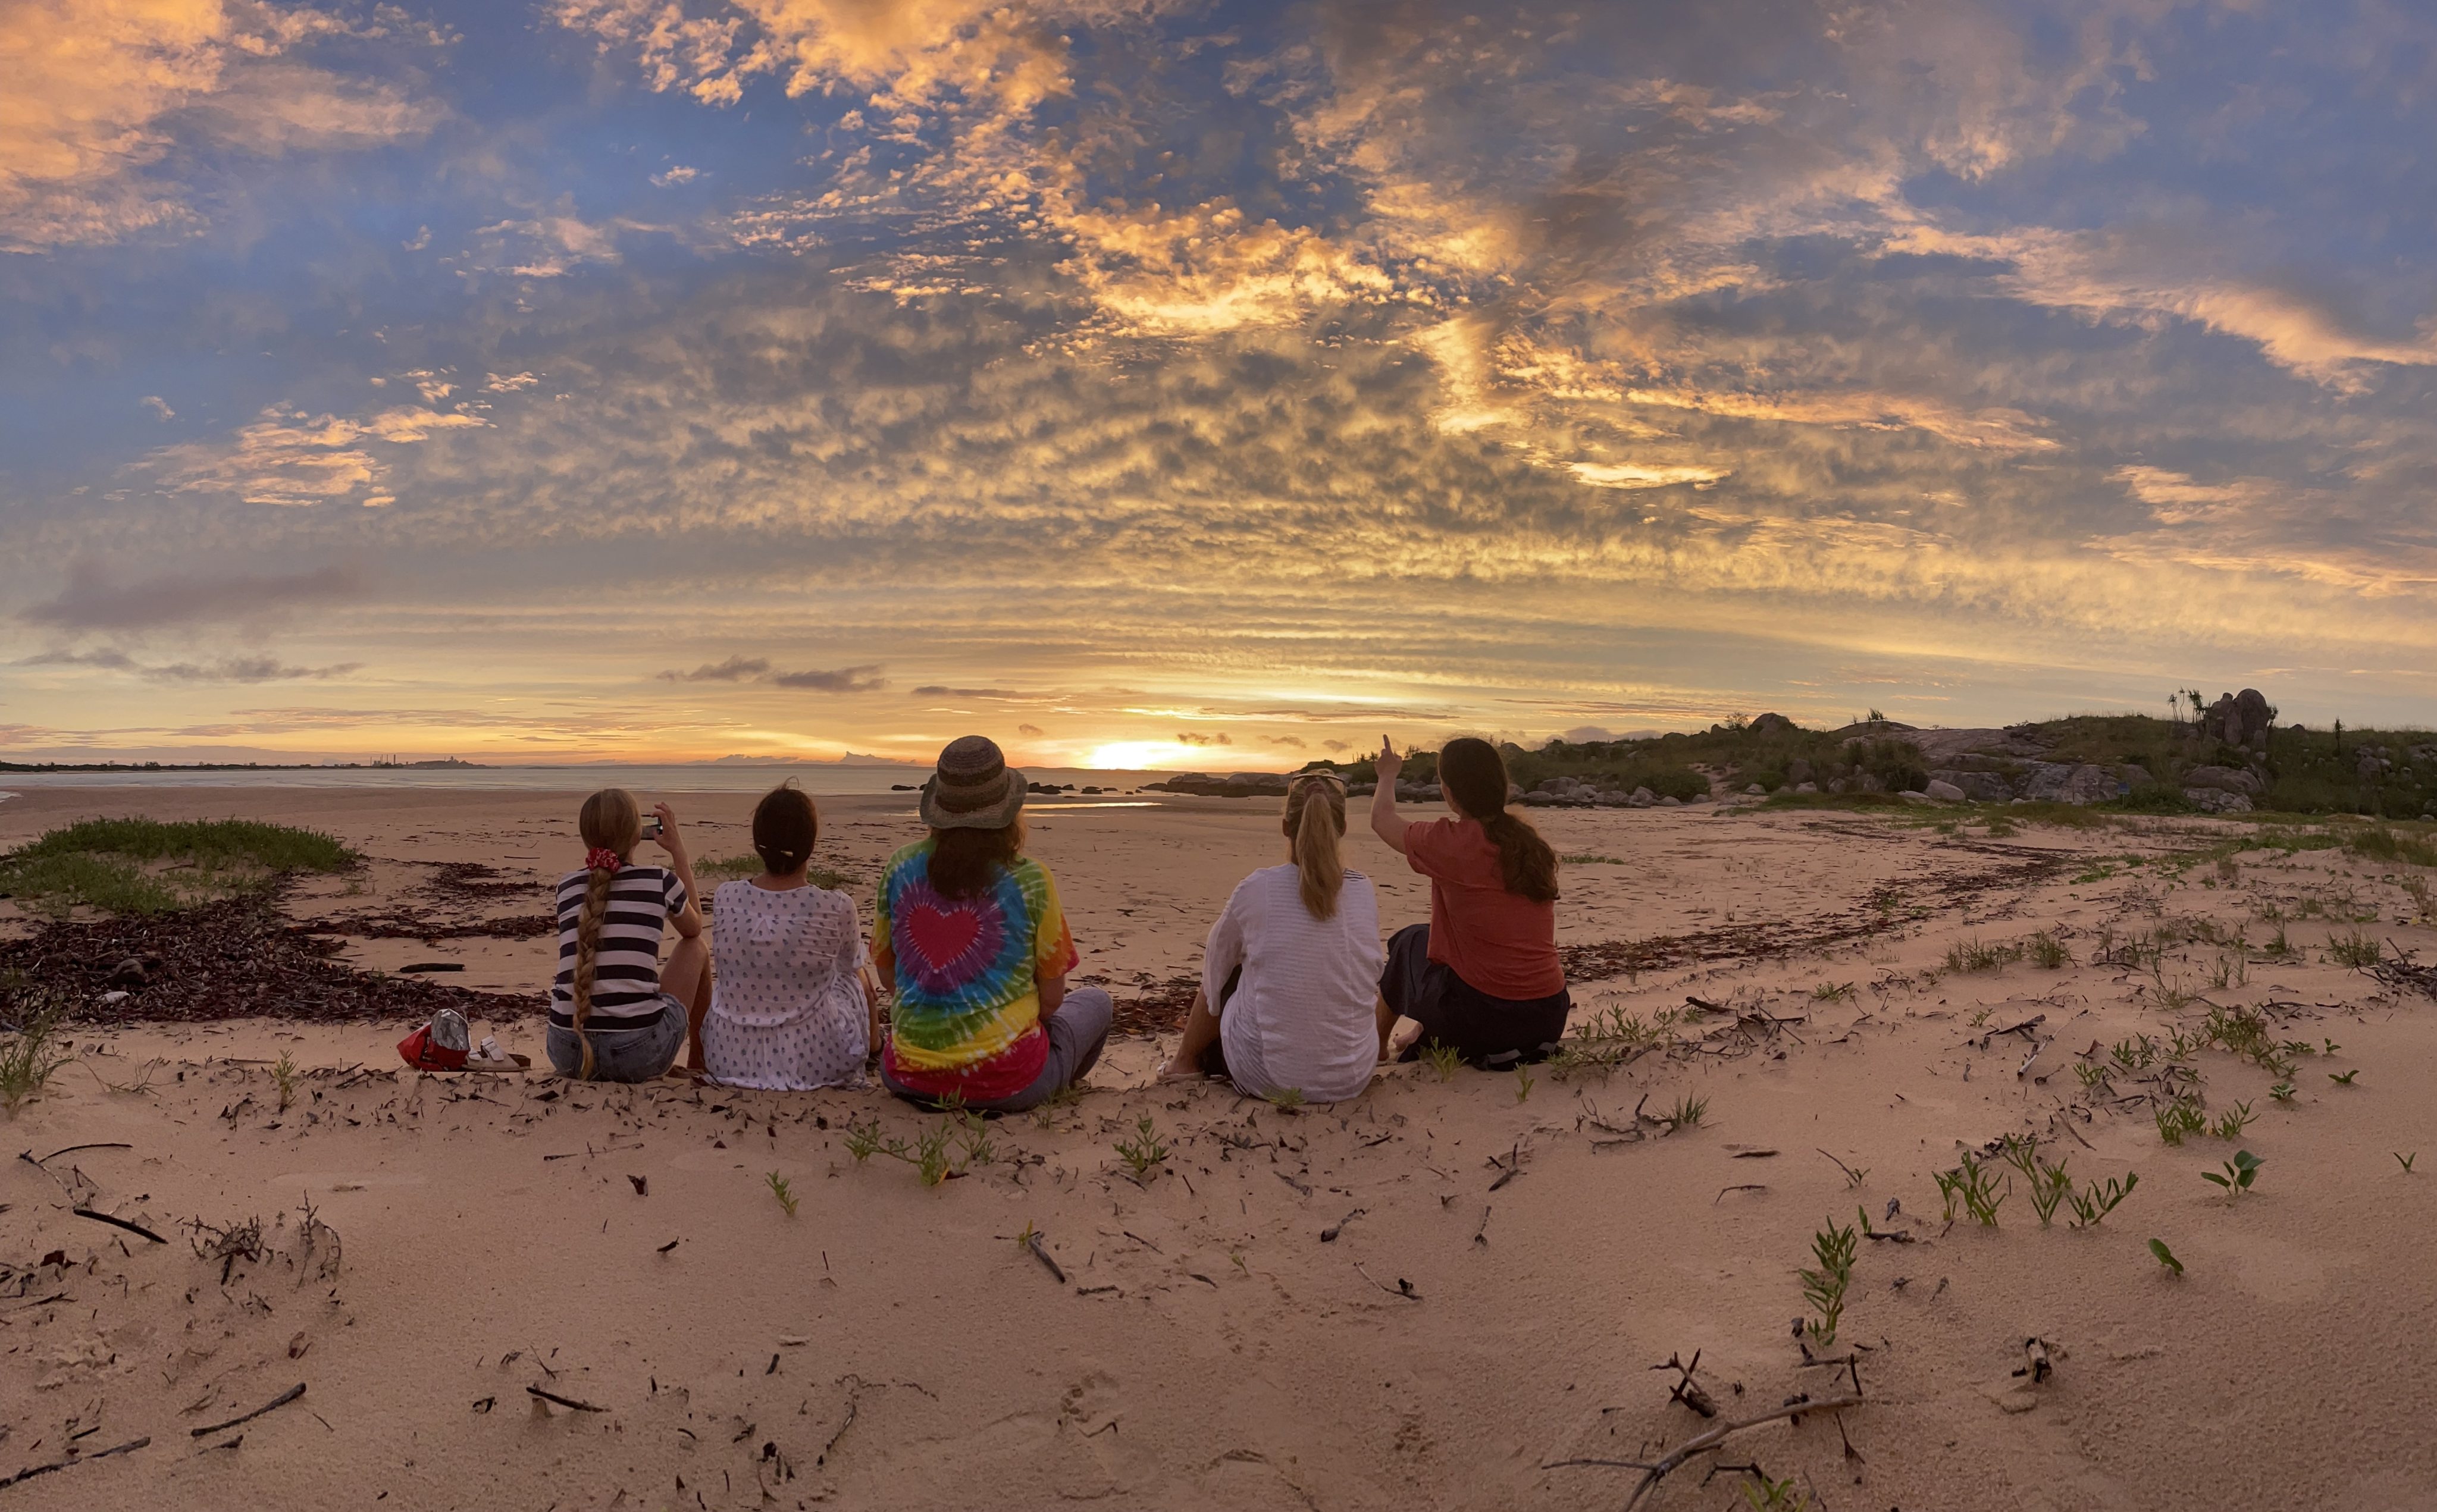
(787, 1007)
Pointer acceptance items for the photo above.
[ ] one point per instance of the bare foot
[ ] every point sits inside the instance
(1176, 1070)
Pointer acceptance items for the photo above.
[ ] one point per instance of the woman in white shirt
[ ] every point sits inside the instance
(1289, 996)
(788, 1008)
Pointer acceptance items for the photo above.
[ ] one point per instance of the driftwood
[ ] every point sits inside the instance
(281, 1400)
(118, 1223)
(1653, 1471)
(547, 1396)
(1032, 1242)
(1688, 1390)
(128, 1448)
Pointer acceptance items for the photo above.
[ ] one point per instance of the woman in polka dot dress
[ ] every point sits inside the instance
(789, 1010)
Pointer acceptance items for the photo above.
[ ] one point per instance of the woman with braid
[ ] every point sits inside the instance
(1482, 977)
(1290, 1001)
(616, 1014)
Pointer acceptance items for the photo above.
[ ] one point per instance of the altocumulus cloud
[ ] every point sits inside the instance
(91, 601)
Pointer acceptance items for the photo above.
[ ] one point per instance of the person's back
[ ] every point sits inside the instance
(1303, 1014)
(1289, 978)
(788, 1011)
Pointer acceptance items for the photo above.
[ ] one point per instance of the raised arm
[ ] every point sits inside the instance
(688, 919)
(1385, 822)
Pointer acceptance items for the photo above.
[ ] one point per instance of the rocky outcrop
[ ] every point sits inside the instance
(1773, 724)
(2066, 782)
(2239, 719)
(2216, 801)
(1980, 787)
(2225, 779)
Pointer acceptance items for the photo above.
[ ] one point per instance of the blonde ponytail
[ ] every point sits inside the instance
(1315, 822)
(610, 821)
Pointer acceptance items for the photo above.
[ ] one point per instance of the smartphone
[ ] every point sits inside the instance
(651, 826)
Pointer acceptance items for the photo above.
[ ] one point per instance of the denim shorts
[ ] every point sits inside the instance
(632, 1054)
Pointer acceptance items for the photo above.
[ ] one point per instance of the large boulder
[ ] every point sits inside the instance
(1945, 791)
(2216, 801)
(1980, 787)
(1772, 724)
(1643, 799)
(2225, 779)
(2065, 782)
(2239, 719)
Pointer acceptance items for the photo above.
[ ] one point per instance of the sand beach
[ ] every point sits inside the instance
(507, 1291)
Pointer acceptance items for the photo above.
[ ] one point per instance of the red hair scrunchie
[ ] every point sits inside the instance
(602, 859)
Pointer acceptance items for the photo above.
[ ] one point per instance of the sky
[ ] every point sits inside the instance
(1180, 383)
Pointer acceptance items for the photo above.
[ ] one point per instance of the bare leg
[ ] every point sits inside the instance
(687, 977)
(1200, 1029)
(1387, 1018)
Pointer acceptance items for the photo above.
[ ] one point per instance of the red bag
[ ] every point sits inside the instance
(421, 1054)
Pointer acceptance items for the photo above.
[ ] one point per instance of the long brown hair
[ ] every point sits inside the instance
(1474, 775)
(610, 821)
(1314, 824)
(964, 862)
(785, 823)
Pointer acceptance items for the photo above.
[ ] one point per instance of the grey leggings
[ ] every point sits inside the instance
(1078, 1031)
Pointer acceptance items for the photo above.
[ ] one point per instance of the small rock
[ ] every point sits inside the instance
(1755, 790)
(1669, 803)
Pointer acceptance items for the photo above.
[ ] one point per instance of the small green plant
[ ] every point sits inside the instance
(1978, 955)
(2282, 1091)
(1765, 1495)
(2091, 1074)
(1973, 1185)
(1833, 992)
(2355, 949)
(2166, 1256)
(283, 1076)
(2345, 1078)
(2234, 1119)
(1823, 1288)
(2134, 1055)
(31, 1058)
(1286, 1098)
(780, 1190)
(1143, 1152)
(1024, 1241)
(1522, 1084)
(2049, 1185)
(2405, 1160)
(972, 1133)
(863, 1140)
(2180, 1117)
(2239, 1172)
(2091, 1207)
(1445, 1059)
(1687, 1114)
(2048, 952)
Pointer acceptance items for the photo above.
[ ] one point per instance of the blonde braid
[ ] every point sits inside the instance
(588, 948)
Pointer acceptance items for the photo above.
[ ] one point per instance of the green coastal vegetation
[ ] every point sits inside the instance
(2379, 773)
(149, 866)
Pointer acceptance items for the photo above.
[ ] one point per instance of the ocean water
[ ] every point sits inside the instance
(814, 777)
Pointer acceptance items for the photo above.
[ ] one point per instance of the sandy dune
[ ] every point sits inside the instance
(1428, 1296)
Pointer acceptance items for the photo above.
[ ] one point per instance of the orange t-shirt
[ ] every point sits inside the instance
(1499, 943)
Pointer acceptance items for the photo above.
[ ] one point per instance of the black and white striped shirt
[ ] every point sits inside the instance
(627, 966)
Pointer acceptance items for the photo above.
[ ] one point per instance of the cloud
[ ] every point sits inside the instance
(938, 691)
(734, 670)
(679, 174)
(758, 670)
(102, 92)
(159, 407)
(1196, 738)
(227, 670)
(91, 601)
(844, 680)
(288, 457)
(1028, 729)
(1295, 741)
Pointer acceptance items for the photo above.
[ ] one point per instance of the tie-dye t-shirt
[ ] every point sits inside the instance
(968, 1015)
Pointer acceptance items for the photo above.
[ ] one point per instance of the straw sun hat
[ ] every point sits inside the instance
(973, 788)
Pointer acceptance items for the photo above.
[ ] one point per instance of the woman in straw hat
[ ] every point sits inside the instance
(1289, 998)
(969, 930)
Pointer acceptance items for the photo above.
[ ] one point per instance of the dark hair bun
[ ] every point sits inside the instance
(785, 827)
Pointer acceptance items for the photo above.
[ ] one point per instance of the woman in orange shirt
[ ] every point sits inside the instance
(1483, 975)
